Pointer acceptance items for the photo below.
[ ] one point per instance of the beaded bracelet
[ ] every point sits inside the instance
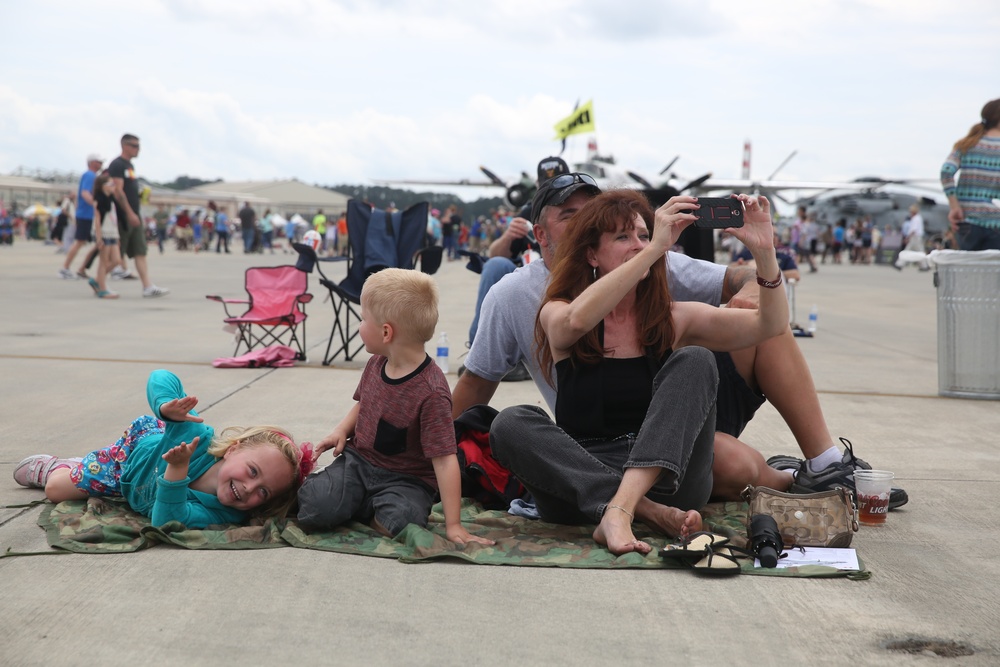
(769, 284)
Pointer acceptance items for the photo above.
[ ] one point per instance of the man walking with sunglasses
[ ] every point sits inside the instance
(506, 337)
(130, 227)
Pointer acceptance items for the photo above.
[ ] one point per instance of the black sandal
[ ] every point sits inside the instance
(692, 549)
(720, 561)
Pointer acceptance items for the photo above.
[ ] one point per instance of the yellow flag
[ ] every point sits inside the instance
(581, 120)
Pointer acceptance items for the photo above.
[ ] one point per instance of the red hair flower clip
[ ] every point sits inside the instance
(306, 462)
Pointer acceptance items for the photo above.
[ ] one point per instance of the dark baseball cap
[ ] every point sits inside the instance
(556, 191)
(551, 167)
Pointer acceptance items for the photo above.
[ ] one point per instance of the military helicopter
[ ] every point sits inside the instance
(886, 202)
(602, 168)
(832, 201)
(608, 174)
(666, 184)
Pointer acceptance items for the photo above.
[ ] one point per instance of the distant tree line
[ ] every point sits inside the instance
(381, 196)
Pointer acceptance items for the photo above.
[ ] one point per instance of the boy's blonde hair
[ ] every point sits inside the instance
(404, 298)
(259, 436)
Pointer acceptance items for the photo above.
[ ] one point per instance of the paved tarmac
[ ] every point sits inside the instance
(72, 375)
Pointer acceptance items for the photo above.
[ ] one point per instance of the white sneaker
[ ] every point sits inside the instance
(66, 274)
(153, 291)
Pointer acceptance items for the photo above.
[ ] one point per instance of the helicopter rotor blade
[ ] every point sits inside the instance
(669, 165)
(493, 177)
(782, 165)
(697, 182)
(640, 180)
(780, 196)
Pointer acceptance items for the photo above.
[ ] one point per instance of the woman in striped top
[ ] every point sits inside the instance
(975, 199)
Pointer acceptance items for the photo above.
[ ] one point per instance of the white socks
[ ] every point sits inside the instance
(830, 456)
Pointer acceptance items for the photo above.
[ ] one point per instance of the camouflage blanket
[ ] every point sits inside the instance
(107, 525)
(519, 541)
(101, 525)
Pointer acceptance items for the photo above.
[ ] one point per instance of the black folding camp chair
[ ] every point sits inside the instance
(377, 240)
(428, 259)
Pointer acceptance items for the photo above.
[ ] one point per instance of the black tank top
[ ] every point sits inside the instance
(606, 399)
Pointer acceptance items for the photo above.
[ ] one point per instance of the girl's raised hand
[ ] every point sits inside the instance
(181, 454)
(179, 410)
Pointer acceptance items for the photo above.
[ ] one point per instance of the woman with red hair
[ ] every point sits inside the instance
(635, 409)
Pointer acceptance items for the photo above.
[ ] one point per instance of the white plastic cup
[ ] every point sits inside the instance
(873, 489)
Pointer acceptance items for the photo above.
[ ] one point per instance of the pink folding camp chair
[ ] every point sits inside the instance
(277, 311)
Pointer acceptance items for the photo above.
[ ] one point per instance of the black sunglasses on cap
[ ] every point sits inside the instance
(558, 189)
(566, 180)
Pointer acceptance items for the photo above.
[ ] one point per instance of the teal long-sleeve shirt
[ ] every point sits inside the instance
(142, 482)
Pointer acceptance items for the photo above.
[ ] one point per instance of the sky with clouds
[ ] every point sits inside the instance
(349, 91)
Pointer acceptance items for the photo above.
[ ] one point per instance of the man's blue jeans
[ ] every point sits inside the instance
(494, 269)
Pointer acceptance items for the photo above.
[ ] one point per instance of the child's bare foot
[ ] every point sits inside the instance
(668, 520)
(615, 533)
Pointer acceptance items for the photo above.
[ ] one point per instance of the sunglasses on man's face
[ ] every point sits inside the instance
(132, 144)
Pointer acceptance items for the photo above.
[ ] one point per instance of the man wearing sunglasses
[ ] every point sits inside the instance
(506, 337)
(504, 252)
(130, 227)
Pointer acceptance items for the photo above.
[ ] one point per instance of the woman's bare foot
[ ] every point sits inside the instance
(669, 520)
(615, 533)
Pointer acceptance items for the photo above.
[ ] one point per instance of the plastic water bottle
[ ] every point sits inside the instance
(442, 353)
(813, 316)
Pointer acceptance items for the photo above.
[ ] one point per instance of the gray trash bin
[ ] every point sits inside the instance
(968, 315)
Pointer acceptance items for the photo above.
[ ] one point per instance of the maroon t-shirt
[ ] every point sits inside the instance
(404, 423)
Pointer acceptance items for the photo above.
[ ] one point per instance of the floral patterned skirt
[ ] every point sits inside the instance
(100, 472)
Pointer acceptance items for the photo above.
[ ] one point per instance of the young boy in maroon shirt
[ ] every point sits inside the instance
(395, 449)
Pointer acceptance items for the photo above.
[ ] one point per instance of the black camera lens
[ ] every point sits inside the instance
(765, 540)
